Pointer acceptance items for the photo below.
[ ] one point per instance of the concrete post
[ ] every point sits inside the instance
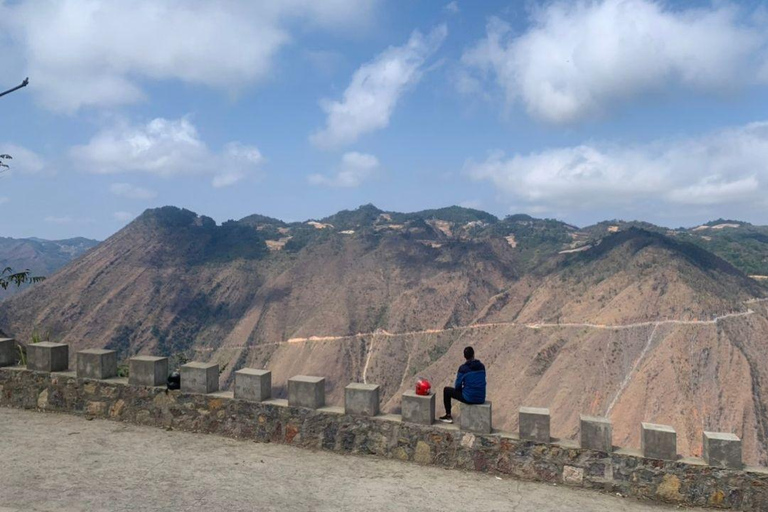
(418, 408)
(9, 354)
(306, 391)
(252, 384)
(48, 357)
(361, 399)
(658, 441)
(534, 424)
(96, 364)
(721, 449)
(200, 378)
(476, 418)
(148, 371)
(596, 434)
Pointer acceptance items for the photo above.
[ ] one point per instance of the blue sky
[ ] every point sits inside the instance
(582, 111)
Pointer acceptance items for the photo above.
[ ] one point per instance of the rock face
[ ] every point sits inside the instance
(638, 328)
(677, 482)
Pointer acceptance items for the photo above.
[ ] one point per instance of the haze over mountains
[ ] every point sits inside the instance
(41, 257)
(629, 320)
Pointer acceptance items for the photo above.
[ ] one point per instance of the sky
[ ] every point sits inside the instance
(583, 110)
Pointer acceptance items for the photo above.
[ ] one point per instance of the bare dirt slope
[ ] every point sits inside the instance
(639, 327)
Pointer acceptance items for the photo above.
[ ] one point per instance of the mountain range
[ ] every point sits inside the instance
(622, 319)
(40, 257)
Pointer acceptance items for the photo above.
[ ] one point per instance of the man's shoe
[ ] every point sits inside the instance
(446, 419)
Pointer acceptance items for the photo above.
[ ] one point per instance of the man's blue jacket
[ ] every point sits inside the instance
(471, 381)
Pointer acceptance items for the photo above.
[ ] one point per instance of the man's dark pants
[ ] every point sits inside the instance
(448, 393)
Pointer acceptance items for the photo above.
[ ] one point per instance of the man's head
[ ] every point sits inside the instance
(469, 353)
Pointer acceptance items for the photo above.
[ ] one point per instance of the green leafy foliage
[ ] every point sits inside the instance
(745, 247)
(198, 240)
(363, 216)
(4, 166)
(8, 277)
(455, 214)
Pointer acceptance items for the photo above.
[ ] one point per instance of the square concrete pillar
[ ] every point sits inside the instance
(48, 357)
(200, 378)
(148, 371)
(361, 399)
(596, 434)
(721, 449)
(476, 418)
(534, 424)
(658, 441)
(306, 391)
(9, 353)
(252, 384)
(418, 408)
(96, 364)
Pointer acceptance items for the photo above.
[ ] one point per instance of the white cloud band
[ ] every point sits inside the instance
(375, 89)
(579, 59)
(164, 147)
(728, 168)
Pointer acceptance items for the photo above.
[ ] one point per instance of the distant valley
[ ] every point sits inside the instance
(625, 319)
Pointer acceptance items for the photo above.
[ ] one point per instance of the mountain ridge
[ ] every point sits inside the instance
(614, 325)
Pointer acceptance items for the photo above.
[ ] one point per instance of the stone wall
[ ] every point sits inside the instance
(689, 482)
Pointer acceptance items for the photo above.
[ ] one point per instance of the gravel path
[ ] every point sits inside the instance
(53, 462)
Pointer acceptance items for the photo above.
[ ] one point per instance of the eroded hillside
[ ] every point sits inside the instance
(639, 325)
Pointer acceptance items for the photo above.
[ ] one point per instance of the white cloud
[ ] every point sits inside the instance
(355, 168)
(238, 160)
(97, 53)
(164, 147)
(123, 216)
(579, 59)
(452, 7)
(131, 191)
(375, 89)
(728, 168)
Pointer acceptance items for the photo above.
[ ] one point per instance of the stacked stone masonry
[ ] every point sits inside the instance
(723, 484)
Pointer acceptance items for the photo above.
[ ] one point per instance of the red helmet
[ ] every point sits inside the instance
(423, 387)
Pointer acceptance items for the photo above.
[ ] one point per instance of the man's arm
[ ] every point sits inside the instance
(460, 377)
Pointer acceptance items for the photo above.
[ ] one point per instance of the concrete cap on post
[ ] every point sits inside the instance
(148, 371)
(361, 399)
(9, 354)
(722, 449)
(306, 391)
(96, 364)
(534, 424)
(477, 418)
(658, 441)
(200, 378)
(418, 408)
(596, 433)
(48, 357)
(252, 384)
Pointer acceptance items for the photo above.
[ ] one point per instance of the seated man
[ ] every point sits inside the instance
(469, 387)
